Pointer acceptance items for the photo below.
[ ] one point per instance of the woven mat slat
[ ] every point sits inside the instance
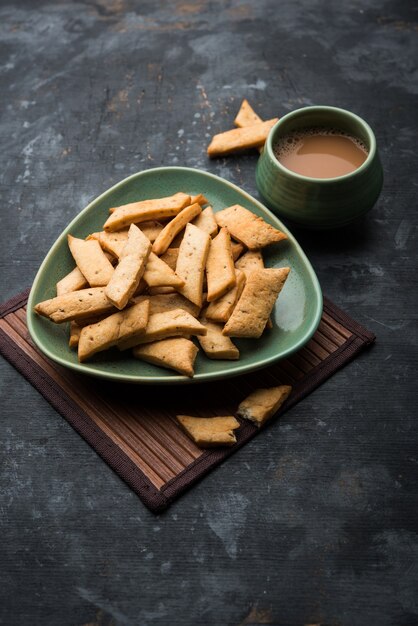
(139, 437)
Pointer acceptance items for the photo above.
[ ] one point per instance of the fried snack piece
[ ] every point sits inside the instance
(250, 260)
(206, 221)
(167, 302)
(146, 210)
(220, 270)
(130, 268)
(157, 273)
(174, 323)
(91, 261)
(113, 242)
(191, 263)
(75, 305)
(170, 257)
(260, 405)
(210, 431)
(248, 228)
(246, 116)
(240, 138)
(200, 199)
(220, 310)
(215, 344)
(75, 331)
(252, 310)
(237, 250)
(121, 326)
(73, 281)
(174, 226)
(151, 229)
(156, 291)
(176, 353)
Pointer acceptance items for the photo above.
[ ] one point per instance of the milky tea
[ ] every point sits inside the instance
(320, 152)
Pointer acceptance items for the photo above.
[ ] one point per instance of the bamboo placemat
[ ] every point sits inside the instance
(133, 428)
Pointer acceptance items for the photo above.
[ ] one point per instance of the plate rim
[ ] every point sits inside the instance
(175, 379)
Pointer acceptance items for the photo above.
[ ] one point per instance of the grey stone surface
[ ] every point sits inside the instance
(315, 521)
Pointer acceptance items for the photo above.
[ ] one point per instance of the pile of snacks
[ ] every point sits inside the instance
(162, 271)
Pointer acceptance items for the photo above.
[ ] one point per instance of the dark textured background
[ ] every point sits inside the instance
(315, 521)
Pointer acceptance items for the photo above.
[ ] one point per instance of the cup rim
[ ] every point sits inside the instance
(371, 137)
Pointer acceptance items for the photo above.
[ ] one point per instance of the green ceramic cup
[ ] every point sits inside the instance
(320, 202)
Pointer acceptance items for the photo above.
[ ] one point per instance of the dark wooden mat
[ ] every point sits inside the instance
(133, 427)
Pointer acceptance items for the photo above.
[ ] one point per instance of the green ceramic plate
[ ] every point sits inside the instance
(296, 315)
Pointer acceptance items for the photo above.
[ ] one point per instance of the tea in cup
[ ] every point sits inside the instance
(320, 167)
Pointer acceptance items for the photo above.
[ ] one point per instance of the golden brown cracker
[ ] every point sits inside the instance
(220, 310)
(173, 323)
(73, 281)
(146, 210)
(91, 261)
(159, 274)
(170, 257)
(246, 116)
(176, 353)
(239, 139)
(262, 404)
(207, 432)
(191, 263)
(174, 226)
(75, 305)
(215, 344)
(130, 268)
(253, 309)
(248, 228)
(206, 221)
(220, 270)
(121, 326)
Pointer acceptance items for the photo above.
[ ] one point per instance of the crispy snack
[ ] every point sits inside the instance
(220, 270)
(121, 326)
(220, 310)
(246, 116)
(162, 290)
(210, 431)
(167, 302)
(252, 311)
(206, 221)
(174, 323)
(151, 229)
(146, 210)
(240, 138)
(215, 344)
(75, 331)
(260, 405)
(176, 353)
(191, 263)
(113, 242)
(248, 228)
(71, 282)
(200, 199)
(159, 274)
(91, 261)
(130, 269)
(174, 226)
(75, 305)
(250, 261)
(170, 257)
(237, 250)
